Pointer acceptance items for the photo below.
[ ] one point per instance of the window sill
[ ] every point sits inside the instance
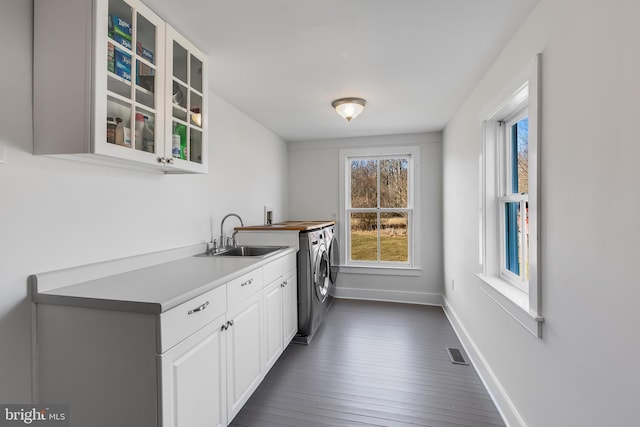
(513, 301)
(381, 271)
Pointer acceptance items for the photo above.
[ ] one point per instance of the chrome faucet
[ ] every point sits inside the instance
(233, 243)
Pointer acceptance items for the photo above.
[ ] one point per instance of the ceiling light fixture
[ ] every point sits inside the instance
(349, 108)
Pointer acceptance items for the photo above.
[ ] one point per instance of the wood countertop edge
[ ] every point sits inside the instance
(288, 226)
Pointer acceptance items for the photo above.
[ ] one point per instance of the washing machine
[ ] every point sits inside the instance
(313, 283)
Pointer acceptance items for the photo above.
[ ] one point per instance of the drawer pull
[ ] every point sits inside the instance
(197, 309)
(284, 284)
(248, 282)
(230, 323)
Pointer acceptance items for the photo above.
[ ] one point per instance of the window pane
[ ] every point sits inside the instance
(512, 237)
(526, 242)
(520, 156)
(394, 183)
(364, 183)
(364, 236)
(394, 240)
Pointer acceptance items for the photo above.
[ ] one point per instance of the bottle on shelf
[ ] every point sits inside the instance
(179, 141)
(139, 130)
(175, 142)
(148, 143)
(127, 136)
(119, 132)
(111, 130)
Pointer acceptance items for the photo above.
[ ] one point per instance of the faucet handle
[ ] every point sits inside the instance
(212, 246)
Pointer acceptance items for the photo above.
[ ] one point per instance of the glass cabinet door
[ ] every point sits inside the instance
(187, 100)
(134, 50)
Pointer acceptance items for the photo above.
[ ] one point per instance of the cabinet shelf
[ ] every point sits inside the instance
(118, 97)
(179, 108)
(118, 78)
(144, 91)
(145, 62)
(145, 108)
(120, 46)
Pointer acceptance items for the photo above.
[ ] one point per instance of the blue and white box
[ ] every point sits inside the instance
(120, 30)
(123, 65)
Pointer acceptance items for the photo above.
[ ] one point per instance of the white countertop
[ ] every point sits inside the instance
(152, 289)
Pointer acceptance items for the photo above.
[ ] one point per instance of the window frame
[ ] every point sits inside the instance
(412, 153)
(520, 299)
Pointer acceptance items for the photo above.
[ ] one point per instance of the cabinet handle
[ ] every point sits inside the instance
(161, 160)
(224, 327)
(229, 323)
(248, 282)
(197, 309)
(170, 160)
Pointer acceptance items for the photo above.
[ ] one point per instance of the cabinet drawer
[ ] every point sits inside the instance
(182, 321)
(243, 287)
(278, 267)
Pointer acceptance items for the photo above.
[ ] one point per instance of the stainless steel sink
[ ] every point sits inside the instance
(246, 251)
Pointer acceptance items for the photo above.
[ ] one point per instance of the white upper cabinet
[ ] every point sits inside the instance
(114, 84)
(186, 120)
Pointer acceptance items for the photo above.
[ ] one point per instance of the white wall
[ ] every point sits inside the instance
(583, 372)
(56, 213)
(314, 194)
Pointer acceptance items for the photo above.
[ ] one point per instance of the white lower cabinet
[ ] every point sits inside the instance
(244, 343)
(280, 309)
(273, 334)
(290, 306)
(194, 365)
(193, 379)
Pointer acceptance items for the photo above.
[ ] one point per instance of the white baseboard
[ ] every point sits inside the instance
(389, 296)
(506, 408)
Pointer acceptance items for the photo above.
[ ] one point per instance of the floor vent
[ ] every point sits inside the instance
(456, 356)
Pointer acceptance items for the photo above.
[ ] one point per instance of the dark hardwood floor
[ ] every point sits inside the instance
(372, 364)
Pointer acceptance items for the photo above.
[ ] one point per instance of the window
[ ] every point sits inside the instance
(514, 200)
(509, 235)
(378, 206)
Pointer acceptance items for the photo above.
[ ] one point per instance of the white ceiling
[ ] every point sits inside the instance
(282, 62)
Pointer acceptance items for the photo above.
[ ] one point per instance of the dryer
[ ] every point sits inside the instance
(313, 283)
(333, 251)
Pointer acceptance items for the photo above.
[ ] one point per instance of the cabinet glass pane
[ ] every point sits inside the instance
(145, 39)
(196, 74)
(119, 67)
(179, 62)
(118, 122)
(120, 28)
(195, 143)
(195, 107)
(179, 148)
(179, 101)
(145, 84)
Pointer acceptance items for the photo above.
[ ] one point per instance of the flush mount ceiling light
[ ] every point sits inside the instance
(349, 108)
